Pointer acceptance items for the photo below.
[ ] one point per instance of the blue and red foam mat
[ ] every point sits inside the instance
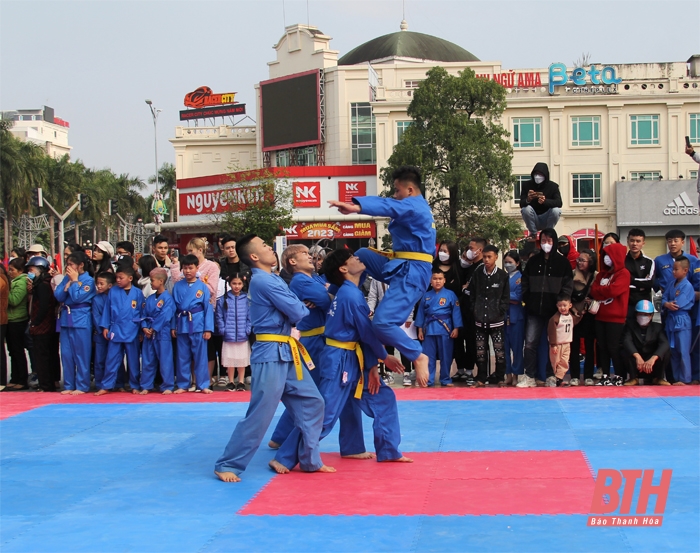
(494, 470)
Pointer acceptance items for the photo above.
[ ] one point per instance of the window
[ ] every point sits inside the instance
(645, 175)
(518, 186)
(412, 84)
(401, 126)
(694, 131)
(585, 131)
(644, 130)
(364, 137)
(527, 132)
(300, 157)
(694, 175)
(586, 188)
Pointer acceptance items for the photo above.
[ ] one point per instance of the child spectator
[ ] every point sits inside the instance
(678, 300)
(157, 351)
(233, 323)
(42, 322)
(120, 327)
(103, 283)
(645, 346)
(490, 297)
(438, 322)
(560, 332)
(17, 319)
(192, 327)
(75, 292)
(515, 328)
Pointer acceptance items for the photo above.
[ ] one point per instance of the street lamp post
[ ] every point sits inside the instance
(154, 112)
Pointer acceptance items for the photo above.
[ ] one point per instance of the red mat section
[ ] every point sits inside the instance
(441, 483)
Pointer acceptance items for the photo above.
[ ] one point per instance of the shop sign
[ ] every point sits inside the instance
(681, 205)
(511, 79)
(602, 81)
(330, 230)
(307, 194)
(216, 111)
(204, 97)
(347, 190)
(220, 201)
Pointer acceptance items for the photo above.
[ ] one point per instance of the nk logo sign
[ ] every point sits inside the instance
(610, 494)
(307, 194)
(593, 80)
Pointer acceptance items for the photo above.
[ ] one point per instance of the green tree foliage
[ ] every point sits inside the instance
(462, 150)
(263, 206)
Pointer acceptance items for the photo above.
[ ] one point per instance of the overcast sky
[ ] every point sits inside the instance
(96, 61)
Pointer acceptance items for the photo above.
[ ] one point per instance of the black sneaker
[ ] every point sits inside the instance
(240, 387)
(231, 387)
(470, 380)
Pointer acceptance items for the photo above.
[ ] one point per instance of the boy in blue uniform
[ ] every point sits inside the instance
(76, 291)
(663, 271)
(103, 283)
(314, 294)
(408, 268)
(120, 327)
(157, 350)
(276, 367)
(350, 378)
(192, 325)
(439, 320)
(677, 301)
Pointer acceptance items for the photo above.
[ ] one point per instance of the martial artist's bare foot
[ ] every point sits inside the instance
(421, 367)
(144, 392)
(207, 391)
(180, 391)
(77, 393)
(63, 393)
(678, 384)
(136, 392)
(167, 392)
(279, 468)
(227, 476)
(273, 445)
(100, 392)
(365, 455)
(325, 468)
(401, 459)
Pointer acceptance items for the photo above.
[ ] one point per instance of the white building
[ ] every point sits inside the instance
(43, 128)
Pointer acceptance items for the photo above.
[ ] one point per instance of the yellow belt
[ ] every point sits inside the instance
(414, 256)
(360, 357)
(313, 332)
(298, 351)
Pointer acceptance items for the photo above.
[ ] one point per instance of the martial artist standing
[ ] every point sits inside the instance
(157, 350)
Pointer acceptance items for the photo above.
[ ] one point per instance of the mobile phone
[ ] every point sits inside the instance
(687, 142)
(175, 253)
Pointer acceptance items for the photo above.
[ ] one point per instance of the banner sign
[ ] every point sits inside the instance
(307, 194)
(347, 190)
(219, 201)
(204, 96)
(315, 231)
(220, 111)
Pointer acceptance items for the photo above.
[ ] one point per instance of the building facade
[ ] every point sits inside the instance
(43, 128)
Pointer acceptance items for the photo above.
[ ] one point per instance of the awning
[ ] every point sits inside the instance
(587, 233)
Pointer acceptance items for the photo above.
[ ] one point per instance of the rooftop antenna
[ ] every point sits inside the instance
(284, 16)
(404, 25)
(308, 21)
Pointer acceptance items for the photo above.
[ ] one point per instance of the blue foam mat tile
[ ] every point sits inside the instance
(480, 407)
(316, 533)
(692, 416)
(554, 422)
(629, 419)
(637, 438)
(518, 534)
(13, 525)
(679, 532)
(602, 405)
(508, 439)
(691, 403)
(683, 463)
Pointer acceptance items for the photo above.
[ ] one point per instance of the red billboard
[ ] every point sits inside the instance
(347, 190)
(219, 201)
(331, 230)
(307, 194)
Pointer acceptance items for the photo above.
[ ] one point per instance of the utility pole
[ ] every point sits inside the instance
(40, 202)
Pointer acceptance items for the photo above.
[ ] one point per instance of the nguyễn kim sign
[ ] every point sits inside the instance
(584, 81)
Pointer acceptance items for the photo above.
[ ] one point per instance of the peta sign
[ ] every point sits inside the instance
(307, 194)
(589, 80)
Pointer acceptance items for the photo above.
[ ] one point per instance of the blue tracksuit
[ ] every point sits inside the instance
(695, 351)
(412, 229)
(98, 307)
(121, 317)
(348, 321)
(194, 315)
(663, 270)
(679, 327)
(311, 289)
(273, 310)
(515, 330)
(158, 312)
(76, 331)
(439, 314)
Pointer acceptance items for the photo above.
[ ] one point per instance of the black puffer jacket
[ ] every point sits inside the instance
(549, 188)
(543, 280)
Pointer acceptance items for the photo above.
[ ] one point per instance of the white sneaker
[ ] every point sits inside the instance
(223, 381)
(589, 382)
(574, 382)
(192, 388)
(407, 380)
(247, 380)
(526, 382)
(551, 382)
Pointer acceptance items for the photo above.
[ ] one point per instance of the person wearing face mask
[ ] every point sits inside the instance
(645, 346)
(540, 200)
(566, 247)
(515, 328)
(584, 275)
(447, 261)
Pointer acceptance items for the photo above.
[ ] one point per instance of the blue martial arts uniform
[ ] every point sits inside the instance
(663, 270)
(679, 326)
(76, 330)
(98, 362)
(348, 321)
(157, 352)
(121, 317)
(695, 351)
(438, 315)
(311, 289)
(515, 330)
(273, 310)
(194, 315)
(412, 229)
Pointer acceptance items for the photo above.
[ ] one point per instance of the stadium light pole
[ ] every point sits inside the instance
(154, 112)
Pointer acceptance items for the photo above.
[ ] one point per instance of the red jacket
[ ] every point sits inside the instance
(612, 286)
(572, 256)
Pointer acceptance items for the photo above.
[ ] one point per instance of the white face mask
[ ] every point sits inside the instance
(546, 248)
(443, 256)
(539, 179)
(644, 320)
(607, 261)
(464, 263)
(470, 255)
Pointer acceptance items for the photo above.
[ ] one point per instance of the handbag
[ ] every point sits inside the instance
(593, 307)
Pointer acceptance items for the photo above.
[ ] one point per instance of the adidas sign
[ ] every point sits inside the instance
(681, 206)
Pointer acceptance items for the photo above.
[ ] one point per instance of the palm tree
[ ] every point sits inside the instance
(168, 185)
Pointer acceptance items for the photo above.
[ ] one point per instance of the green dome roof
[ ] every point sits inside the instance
(407, 44)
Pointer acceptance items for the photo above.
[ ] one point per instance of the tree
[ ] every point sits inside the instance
(168, 186)
(462, 150)
(263, 205)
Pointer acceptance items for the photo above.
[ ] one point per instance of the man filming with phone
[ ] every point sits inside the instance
(696, 158)
(540, 201)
